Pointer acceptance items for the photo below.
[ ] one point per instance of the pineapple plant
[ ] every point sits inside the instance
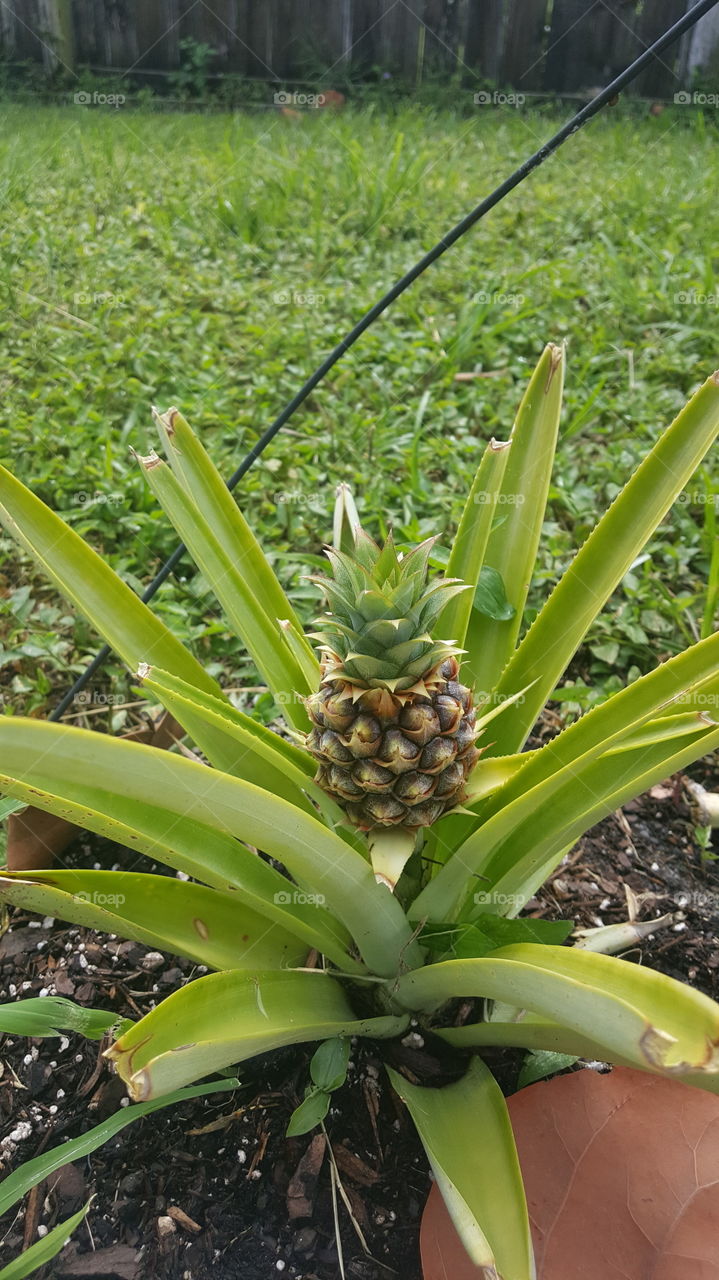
(393, 730)
(395, 852)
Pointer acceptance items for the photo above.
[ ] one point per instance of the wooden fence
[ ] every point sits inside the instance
(533, 45)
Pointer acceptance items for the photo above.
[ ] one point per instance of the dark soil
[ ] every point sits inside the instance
(214, 1187)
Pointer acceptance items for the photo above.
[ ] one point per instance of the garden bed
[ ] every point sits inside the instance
(213, 1186)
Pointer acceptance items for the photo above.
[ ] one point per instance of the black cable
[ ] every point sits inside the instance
(572, 126)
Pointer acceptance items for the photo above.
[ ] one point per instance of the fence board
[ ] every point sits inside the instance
(239, 50)
(56, 22)
(7, 30)
(398, 38)
(26, 30)
(626, 44)
(522, 64)
(580, 54)
(338, 26)
(88, 49)
(485, 37)
(660, 78)
(116, 29)
(445, 34)
(260, 44)
(289, 40)
(318, 39)
(157, 26)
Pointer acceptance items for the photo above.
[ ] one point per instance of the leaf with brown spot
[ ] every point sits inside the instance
(622, 1179)
(178, 916)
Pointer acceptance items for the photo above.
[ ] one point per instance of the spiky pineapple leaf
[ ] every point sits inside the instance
(207, 926)
(203, 483)
(245, 612)
(514, 539)
(466, 560)
(600, 565)
(556, 796)
(229, 1017)
(93, 588)
(163, 803)
(346, 519)
(635, 1016)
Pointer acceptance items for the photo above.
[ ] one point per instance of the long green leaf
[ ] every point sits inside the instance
(595, 791)
(189, 845)
(493, 772)
(298, 763)
(202, 481)
(92, 587)
(512, 547)
(43, 1251)
(612, 723)
(528, 1032)
(9, 806)
(603, 560)
(229, 1017)
(175, 801)
(205, 925)
(534, 1033)
(261, 635)
(466, 1133)
(470, 544)
(198, 850)
(444, 837)
(669, 730)
(642, 1016)
(234, 743)
(22, 1180)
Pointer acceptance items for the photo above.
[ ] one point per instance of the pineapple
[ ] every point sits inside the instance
(393, 731)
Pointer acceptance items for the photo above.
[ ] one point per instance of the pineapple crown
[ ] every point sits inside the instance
(378, 634)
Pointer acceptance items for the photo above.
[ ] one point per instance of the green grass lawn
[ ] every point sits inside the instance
(212, 261)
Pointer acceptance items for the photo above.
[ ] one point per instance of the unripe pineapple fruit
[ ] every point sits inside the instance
(393, 730)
